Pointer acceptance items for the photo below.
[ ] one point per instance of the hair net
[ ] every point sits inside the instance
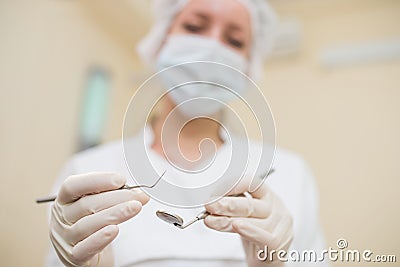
(263, 21)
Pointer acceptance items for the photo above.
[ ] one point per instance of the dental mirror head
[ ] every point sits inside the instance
(177, 220)
(170, 218)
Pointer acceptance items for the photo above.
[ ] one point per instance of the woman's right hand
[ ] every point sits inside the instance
(85, 216)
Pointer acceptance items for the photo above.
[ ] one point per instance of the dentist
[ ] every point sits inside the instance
(93, 224)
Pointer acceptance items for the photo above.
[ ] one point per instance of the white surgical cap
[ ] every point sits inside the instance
(263, 21)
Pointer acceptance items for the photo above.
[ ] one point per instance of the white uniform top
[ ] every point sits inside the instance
(145, 240)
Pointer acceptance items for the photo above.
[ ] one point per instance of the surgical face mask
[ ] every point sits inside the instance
(196, 57)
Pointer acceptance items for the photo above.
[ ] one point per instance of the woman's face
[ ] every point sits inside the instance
(227, 21)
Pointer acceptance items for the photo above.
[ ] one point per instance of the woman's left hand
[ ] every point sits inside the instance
(261, 219)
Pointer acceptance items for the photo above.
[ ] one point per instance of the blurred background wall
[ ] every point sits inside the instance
(343, 118)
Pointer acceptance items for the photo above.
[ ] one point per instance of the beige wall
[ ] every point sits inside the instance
(46, 49)
(344, 121)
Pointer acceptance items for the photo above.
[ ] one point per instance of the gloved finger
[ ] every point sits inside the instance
(259, 235)
(92, 223)
(85, 250)
(240, 207)
(253, 233)
(62, 249)
(225, 224)
(244, 185)
(76, 186)
(94, 203)
(219, 223)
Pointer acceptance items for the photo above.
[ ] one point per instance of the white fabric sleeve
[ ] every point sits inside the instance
(310, 228)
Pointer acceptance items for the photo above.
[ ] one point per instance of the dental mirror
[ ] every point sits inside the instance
(177, 220)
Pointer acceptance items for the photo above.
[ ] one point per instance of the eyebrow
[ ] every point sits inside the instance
(201, 15)
(232, 26)
(236, 27)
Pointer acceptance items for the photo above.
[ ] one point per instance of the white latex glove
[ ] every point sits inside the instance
(85, 215)
(260, 219)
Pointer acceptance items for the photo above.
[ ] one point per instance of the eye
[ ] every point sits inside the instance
(193, 28)
(236, 43)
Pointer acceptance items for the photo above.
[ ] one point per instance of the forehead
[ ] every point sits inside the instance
(230, 11)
